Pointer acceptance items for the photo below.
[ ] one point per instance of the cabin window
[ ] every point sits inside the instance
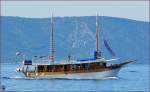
(73, 67)
(87, 65)
(45, 68)
(101, 64)
(40, 68)
(65, 67)
(83, 65)
(79, 66)
(53, 68)
(49, 68)
(58, 68)
(104, 64)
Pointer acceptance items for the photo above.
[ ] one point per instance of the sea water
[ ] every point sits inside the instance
(133, 77)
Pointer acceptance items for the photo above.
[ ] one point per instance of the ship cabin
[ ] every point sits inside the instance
(86, 66)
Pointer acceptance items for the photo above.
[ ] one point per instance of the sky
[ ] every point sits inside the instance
(137, 10)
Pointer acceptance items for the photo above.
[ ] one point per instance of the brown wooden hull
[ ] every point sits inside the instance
(106, 70)
(40, 74)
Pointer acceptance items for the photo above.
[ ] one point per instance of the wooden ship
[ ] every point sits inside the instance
(96, 68)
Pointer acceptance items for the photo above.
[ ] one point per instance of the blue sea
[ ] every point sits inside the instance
(133, 77)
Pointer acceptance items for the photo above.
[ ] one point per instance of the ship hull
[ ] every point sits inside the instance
(89, 75)
(97, 73)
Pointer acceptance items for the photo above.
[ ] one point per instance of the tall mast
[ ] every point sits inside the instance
(52, 40)
(98, 53)
(97, 34)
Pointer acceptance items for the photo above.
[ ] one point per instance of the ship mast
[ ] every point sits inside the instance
(51, 57)
(98, 52)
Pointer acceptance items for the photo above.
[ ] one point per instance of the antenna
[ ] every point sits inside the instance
(98, 53)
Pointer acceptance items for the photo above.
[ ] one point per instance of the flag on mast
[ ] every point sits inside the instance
(109, 48)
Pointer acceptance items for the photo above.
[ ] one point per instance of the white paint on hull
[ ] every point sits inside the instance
(90, 75)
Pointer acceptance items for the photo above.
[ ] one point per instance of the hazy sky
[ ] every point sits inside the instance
(137, 10)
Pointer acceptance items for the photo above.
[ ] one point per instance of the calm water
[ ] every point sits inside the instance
(133, 77)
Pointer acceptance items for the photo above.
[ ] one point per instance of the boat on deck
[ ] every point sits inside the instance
(95, 68)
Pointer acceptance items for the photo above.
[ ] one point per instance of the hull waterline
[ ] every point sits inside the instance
(89, 75)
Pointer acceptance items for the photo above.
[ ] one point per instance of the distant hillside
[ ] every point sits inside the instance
(75, 36)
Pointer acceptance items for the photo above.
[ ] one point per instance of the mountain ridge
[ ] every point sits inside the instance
(73, 17)
(74, 35)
